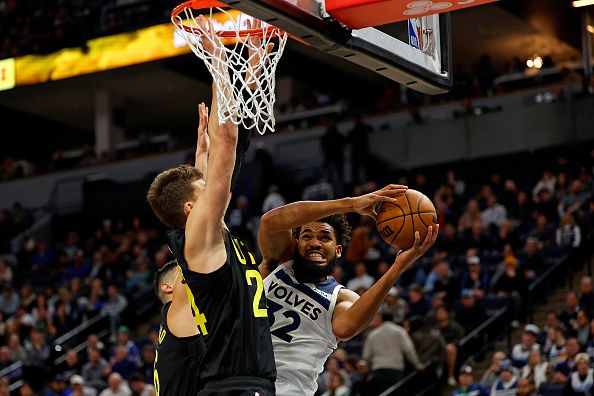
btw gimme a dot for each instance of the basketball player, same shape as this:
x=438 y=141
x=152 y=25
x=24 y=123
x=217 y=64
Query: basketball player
x=180 y=347
x=309 y=311
x=224 y=285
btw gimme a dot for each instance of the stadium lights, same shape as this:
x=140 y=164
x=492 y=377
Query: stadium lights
x=582 y=3
x=590 y=29
x=535 y=62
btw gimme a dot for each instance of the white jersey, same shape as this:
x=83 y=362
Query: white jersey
x=300 y=317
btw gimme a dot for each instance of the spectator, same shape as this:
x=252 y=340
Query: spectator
x=16 y=349
x=544 y=232
x=511 y=284
x=467 y=385
x=123 y=339
x=586 y=301
x=57 y=387
x=574 y=199
x=569 y=365
x=490 y=376
x=477 y=237
x=139 y=387
x=581 y=381
x=446 y=285
x=546 y=182
x=336 y=386
x=5 y=272
x=532 y=262
x=116 y=386
x=556 y=345
x=521 y=352
x=429 y=345
x=569 y=235
x=495 y=214
x=569 y=316
x=78 y=388
x=122 y=363
x=535 y=370
x=361 y=241
x=470 y=215
x=358 y=138
x=9 y=301
x=115 y=305
x=507 y=382
x=526 y=388
x=362 y=279
x=551 y=321
x=96 y=370
x=469 y=314
x=148 y=362
x=452 y=333
x=72 y=366
x=474 y=279
x=582 y=329
x=418 y=305
x=394 y=305
x=273 y=200
x=385 y=349
x=38 y=352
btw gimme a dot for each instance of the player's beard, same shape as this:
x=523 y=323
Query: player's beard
x=307 y=270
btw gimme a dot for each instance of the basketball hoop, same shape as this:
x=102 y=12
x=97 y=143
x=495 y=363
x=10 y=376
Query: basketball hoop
x=241 y=53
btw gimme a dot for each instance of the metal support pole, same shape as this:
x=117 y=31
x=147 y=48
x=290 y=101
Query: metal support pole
x=587 y=47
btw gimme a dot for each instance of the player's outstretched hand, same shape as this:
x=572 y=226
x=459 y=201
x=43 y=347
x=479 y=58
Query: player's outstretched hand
x=365 y=204
x=203 y=144
x=212 y=44
x=405 y=259
x=258 y=55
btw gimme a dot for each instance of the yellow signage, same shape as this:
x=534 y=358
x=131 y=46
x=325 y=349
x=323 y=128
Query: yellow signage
x=104 y=53
x=7 y=74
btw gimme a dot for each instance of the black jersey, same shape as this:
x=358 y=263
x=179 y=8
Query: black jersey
x=176 y=361
x=229 y=307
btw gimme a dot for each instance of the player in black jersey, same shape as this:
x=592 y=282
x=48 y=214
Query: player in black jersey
x=225 y=289
x=180 y=346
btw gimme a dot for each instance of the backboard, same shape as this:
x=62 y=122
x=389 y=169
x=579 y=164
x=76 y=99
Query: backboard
x=384 y=50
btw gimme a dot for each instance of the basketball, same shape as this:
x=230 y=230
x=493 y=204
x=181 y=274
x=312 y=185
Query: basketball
x=398 y=222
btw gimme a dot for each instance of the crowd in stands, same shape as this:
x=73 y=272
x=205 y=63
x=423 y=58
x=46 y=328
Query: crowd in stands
x=496 y=238
x=55 y=286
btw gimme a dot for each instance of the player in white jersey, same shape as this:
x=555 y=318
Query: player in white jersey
x=309 y=311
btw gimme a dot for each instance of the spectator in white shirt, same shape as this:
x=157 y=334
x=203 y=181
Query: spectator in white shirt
x=116 y=386
x=362 y=279
x=273 y=200
x=495 y=212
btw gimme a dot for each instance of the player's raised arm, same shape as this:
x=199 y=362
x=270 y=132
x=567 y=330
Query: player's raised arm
x=353 y=313
x=204 y=226
x=274 y=237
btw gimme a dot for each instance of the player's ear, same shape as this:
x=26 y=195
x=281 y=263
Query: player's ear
x=188 y=206
x=167 y=288
x=338 y=251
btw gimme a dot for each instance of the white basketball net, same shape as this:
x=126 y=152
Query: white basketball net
x=244 y=70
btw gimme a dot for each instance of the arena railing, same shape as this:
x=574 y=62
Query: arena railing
x=473 y=346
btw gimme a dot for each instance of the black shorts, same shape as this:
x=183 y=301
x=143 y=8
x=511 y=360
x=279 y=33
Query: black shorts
x=239 y=386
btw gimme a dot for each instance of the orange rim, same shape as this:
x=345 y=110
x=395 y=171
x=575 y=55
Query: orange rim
x=203 y=4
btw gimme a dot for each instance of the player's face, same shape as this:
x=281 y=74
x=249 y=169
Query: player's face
x=318 y=250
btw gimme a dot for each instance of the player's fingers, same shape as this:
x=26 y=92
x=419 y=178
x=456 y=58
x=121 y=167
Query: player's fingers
x=383 y=198
x=393 y=193
x=394 y=187
x=417 y=242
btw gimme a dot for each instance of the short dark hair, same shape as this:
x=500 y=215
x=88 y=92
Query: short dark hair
x=169 y=191
x=339 y=223
x=160 y=275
